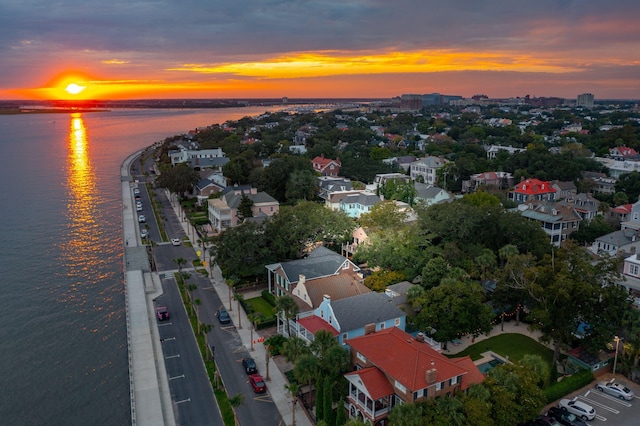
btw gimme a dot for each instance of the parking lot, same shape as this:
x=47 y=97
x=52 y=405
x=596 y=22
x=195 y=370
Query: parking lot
x=609 y=409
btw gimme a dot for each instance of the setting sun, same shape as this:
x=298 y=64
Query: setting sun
x=74 y=88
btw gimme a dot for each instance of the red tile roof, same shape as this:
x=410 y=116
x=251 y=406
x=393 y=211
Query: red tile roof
x=474 y=375
x=374 y=381
x=313 y=323
x=405 y=359
x=625 y=208
x=533 y=187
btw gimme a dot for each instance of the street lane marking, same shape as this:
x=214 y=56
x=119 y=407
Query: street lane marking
x=265 y=398
x=163 y=324
x=167 y=339
x=184 y=400
x=172 y=356
x=599 y=417
x=177 y=377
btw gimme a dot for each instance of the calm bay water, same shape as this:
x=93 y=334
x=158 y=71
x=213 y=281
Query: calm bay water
x=63 y=353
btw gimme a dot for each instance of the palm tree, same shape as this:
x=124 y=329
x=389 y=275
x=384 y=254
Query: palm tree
x=451 y=409
x=235 y=402
x=239 y=298
x=294 y=347
x=293 y=389
x=287 y=306
x=323 y=340
x=305 y=370
x=180 y=261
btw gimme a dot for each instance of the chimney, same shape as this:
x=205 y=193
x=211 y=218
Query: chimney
x=301 y=279
x=420 y=337
x=431 y=376
x=369 y=328
x=326 y=298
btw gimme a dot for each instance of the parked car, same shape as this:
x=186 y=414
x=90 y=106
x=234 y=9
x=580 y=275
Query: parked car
x=616 y=389
x=136 y=191
x=249 y=365
x=142 y=219
x=223 y=316
x=579 y=408
x=138 y=207
x=545 y=421
x=257 y=383
x=162 y=312
x=175 y=241
x=144 y=233
x=566 y=418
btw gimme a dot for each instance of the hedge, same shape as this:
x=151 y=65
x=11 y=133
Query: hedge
x=568 y=385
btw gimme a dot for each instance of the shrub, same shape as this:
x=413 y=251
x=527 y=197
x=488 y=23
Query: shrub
x=568 y=385
x=269 y=297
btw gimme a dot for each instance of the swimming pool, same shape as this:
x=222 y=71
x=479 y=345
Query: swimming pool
x=484 y=367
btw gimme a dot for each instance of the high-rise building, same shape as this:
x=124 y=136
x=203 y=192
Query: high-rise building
x=585 y=100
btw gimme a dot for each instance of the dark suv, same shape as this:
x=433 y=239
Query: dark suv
x=223 y=316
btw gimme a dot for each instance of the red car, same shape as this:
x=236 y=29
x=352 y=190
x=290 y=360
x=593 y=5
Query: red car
x=257 y=383
x=162 y=312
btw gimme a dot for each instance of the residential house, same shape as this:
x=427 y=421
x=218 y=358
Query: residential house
x=618 y=168
x=397 y=294
x=383 y=178
x=403 y=162
x=322 y=272
x=620 y=213
x=617 y=242
x=355 y=205
x=564 y=189
x=223 y=211
x=392 y=368
x=634 y=218
x=532 y=189
x=335 y=198
x=497 y=180
x=205 y=188
x=622 y=153
x=359 y=236
x=431 y=194
x=330 y=184
x=631 y=277
x=424 y=170
x=199 y=158
x=556 y=220
x=586 y=206
x=601 y=182
x=347 y=318
x=326 y=166
x=493 y=150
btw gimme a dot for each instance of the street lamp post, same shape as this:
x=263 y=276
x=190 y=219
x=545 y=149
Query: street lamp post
x=615 y=359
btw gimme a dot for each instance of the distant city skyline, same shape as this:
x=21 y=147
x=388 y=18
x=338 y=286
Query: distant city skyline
x=320 y=49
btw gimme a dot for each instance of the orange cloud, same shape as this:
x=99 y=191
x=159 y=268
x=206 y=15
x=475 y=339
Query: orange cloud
x=337 y=63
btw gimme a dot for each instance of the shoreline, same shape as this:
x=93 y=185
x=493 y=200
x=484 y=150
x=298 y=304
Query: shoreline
x=18 y=111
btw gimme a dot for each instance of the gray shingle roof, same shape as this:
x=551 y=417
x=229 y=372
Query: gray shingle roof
x=357 y=311
x=320 y=263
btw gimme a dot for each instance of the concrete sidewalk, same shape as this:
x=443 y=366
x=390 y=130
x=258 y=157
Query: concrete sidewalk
x=277 y=381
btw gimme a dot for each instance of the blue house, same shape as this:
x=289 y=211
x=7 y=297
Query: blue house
x=351 y=317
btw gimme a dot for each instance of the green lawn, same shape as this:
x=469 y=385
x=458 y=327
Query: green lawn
x=262 y=306
x=513 y=345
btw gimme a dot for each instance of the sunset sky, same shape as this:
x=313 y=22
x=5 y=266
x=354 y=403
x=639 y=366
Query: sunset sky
x=128 y=49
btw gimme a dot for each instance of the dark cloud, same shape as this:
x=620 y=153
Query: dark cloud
x=161 y=34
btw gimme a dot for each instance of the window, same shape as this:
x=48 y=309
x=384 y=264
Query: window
x=439 y=386
x=361 y=357
x=381 y=326
x=453 y=381
x=400 y=387
x=634 y=270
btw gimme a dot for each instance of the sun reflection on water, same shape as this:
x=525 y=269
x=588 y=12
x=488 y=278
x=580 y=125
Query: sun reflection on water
x=80 y=248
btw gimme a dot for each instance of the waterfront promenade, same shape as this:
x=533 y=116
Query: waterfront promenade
x=151 y=402
x=150 y=398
